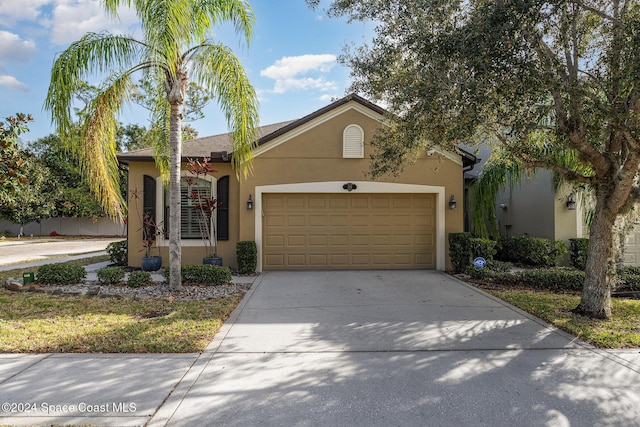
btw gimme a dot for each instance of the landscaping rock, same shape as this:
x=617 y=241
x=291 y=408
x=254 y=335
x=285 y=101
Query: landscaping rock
x=14 y=286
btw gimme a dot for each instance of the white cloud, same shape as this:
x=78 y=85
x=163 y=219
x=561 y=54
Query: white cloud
x=290 y=66
x=72 y=19
x=291 y=73
x=13 y=83
x=283 y=85
x=12 y=11
x=13 y=48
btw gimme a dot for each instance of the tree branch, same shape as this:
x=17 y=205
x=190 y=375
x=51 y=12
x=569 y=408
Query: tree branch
x=597 y=12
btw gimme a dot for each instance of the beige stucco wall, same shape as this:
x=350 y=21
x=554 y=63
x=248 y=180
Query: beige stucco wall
x=312 y=155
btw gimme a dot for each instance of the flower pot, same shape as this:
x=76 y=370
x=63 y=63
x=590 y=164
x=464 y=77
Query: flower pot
x=212 y=260
x=151 y=263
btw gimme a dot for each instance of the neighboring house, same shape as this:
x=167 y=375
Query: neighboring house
x=313 y=206
x=536 y=208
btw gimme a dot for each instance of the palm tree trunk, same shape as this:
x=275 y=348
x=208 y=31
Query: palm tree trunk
x=596 y=292
x=175 y=208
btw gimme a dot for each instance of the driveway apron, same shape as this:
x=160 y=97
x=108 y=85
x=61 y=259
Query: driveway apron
x=406 y=348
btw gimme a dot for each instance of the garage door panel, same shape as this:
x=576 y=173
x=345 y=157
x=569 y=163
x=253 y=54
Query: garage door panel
x=296 y=220
x=339 y=260
x=380 y=240
x=380 y=202
x=275 y=261
x=318 y=240
x=318 y=220
x=297 y=240
x=274 y=221
x=360 y=203
x=339 y=240
x=325 y=231
x=338 y=202
x=360 y=240
x=400 y=202
x=275 y=241
x=294 y=202
x=403 y=240
x=339 y=220
x=318 y=260
x=317 y=202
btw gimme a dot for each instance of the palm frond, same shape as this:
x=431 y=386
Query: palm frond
x=94 y=53
x=97 y=145
x=499 y=171
x=208 y=13
x=217 y=69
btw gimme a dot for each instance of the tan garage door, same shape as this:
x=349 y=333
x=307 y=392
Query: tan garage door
x=348 y=231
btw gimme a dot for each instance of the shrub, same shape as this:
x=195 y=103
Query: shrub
x=479 y=273
x=118 y=252
x=61 y=274
x=579 y=247
x=499 y=266
x=630 y=278
x=247 y=255
x=110 y=275
x=459 y=251
x=555 y=279
x=138 y=278
x=534 y=251
x=203 y=274
x=484 y=248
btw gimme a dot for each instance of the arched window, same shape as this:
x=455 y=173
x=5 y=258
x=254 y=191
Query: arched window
x=353 y=142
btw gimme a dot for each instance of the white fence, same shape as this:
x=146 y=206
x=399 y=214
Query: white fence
x=68 y=227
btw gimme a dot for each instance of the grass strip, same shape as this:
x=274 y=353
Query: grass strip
x=41 y=323
x=622 y=331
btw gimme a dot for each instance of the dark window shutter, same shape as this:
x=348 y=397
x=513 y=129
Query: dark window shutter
x=223 y=208
x=149 y=201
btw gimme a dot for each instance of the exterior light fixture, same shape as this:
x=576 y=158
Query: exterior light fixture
x=571 y=203
x=249 y=203
x=452 y=202
x=349 y=186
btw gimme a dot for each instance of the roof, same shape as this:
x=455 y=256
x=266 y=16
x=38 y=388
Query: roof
x=219 y=147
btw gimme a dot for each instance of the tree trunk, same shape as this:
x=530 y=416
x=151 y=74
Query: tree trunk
x=175 y=217
x=596 y=292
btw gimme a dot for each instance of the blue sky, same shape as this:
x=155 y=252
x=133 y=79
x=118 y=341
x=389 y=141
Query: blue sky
x=291 y=60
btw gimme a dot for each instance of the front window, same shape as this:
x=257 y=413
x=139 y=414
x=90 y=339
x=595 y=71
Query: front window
x=191 y=224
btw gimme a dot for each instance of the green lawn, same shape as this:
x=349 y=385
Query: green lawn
x=40 y=323
x=623 y=331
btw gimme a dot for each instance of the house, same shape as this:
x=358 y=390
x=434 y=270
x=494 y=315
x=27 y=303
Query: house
x=308 y=203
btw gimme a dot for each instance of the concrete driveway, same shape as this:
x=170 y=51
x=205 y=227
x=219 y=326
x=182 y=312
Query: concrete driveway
x=410 y=348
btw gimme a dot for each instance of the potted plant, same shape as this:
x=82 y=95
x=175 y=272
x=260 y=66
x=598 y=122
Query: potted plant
x=150 y=231
x=205 y=205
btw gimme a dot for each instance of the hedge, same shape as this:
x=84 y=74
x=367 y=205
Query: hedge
x=61 y=274
x=535 y=251
x=553 y=279
x=203 y=274
x=247 y=256
x=459 y=251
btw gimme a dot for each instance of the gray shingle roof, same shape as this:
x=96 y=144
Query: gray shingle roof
x=201 y=147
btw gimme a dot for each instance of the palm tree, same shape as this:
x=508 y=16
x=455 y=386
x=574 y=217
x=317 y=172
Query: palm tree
x=174 y=48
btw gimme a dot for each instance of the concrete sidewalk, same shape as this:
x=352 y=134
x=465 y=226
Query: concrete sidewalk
x=351 y=348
